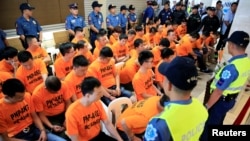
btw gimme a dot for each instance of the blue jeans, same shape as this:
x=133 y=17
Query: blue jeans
x=124 y=93
x=216 y=115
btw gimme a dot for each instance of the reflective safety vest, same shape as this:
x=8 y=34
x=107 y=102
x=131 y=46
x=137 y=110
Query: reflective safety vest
x=243 y=67
x=185 y=121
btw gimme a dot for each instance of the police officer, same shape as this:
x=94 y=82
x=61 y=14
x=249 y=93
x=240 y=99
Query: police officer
x=3 y=41
x=166 y=13
x=132 y=18
x=180 y=78
x=27 y=25
x=211 y=22
x=74 y=20
x=228 y=81
x=178 y=13
x=95 y=21
x=123 y=18
x=149 y=12
x=194 y=20
x=112 y=20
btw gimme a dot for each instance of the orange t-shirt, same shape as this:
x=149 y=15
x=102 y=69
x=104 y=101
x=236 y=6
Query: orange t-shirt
x=185 y=46
x=157 y=55
x=74 y=83
x=133 y=54
x=128 y=70
x=164 y=32
x=98 y=49
x=75 y=40
x=39 y=53
x=62 y=68
x=137 y=116
x=157 y=38
x=181 y=31
x=113 y=39
x=119 y=51
x=15 y=117
x=150 y=39
x=209 y=41
x=33 y=77
x=144 y=39
x=50 y=104
x=4 y=66
x=84 y=121
x=103 y=72
x=88 y=55
x=158 y=76
x=198 y=43
x=172 y=46
x=3 y=77
x=143 y=83
x=130 y=44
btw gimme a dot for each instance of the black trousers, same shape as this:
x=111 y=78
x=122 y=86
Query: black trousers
x=102 y=137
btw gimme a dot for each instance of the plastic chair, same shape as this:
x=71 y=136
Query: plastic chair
x=118 y=66
x=117 y=106
x=109 y=117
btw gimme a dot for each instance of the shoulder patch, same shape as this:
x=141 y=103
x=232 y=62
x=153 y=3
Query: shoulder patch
x=226 y=74
x=150 y=133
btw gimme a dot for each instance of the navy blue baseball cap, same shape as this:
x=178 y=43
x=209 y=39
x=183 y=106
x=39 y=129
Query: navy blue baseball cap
x=25 y=6
x=181 y=72
x=73 y=5
x=239 y=38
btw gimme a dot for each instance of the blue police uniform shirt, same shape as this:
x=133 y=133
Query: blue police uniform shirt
x=27 y=27
x=112 y=20
x=132 y=17
x=123 y=20
x=149 y=13
x=165 y=15
x=95 y=19
x=157 y=129
x=2 y=38
x=72 y=22
x=228 y=74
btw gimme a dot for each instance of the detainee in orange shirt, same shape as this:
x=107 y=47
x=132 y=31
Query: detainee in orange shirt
x=103 y=68
x=84 y=115
x=167 y=55
x=150 y=36
x=52 y=99
x=30 y=72
x=64 y=65
x=159 y=35
x=120 y=49
x=131 y=37
x=18 y=119
x=186 y=45
x=4 y=77
x=129 y=69
x=82 y=49
x=75 y=77
x=10 y=62
x=168 y=26
x=164 y=43
x=101 y=41
x=182 y=29
x=79 y=35
x=132 y=123
x=143 y=79
x=114 y=37
x=140 y=35
x=171 y=38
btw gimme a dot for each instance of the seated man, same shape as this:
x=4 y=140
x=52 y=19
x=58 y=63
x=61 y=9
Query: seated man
x=131 y=36
x=101 y=41
x=84 y=115
x=132 y=123
x=129 y=69
x=18 y=119
x=4 y=76
x=120 y=49
x=51 y=101
x=103 y=68
x=30 y=72
x=63 y=65
x=10 y=62
x=79 y=35
x=164 y=43
x=82 y=49
x=114 y=37
x=75 y=77
x=143 y=79
x=38 y=52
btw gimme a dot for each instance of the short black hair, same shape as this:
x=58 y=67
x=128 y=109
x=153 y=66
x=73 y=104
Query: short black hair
x=169 y=31
x=106 y=52
x=9 y=90
x=138 y=28
x=131 y=32
x=123 y=36
x=102 y=31
x=65 y=47
x=53 y=83
x=152 y=30
x=99 y=35
x=156 y=19
x=206 y=33
x=89 y=84
x=117 y=29
x=234 y=3
x=78 y=28
x=219 y=1
x=138 y=42
x=167 y=23
x=24 y=56
x=144 y=56
x=29 y=38
x=166 y=53
x=9 y=52
x=80 y=44
x=164 y=42
x=80 y=61
x=195 y=35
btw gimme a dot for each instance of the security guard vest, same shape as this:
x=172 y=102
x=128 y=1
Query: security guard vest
x=243 y=71
x=185 y=122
